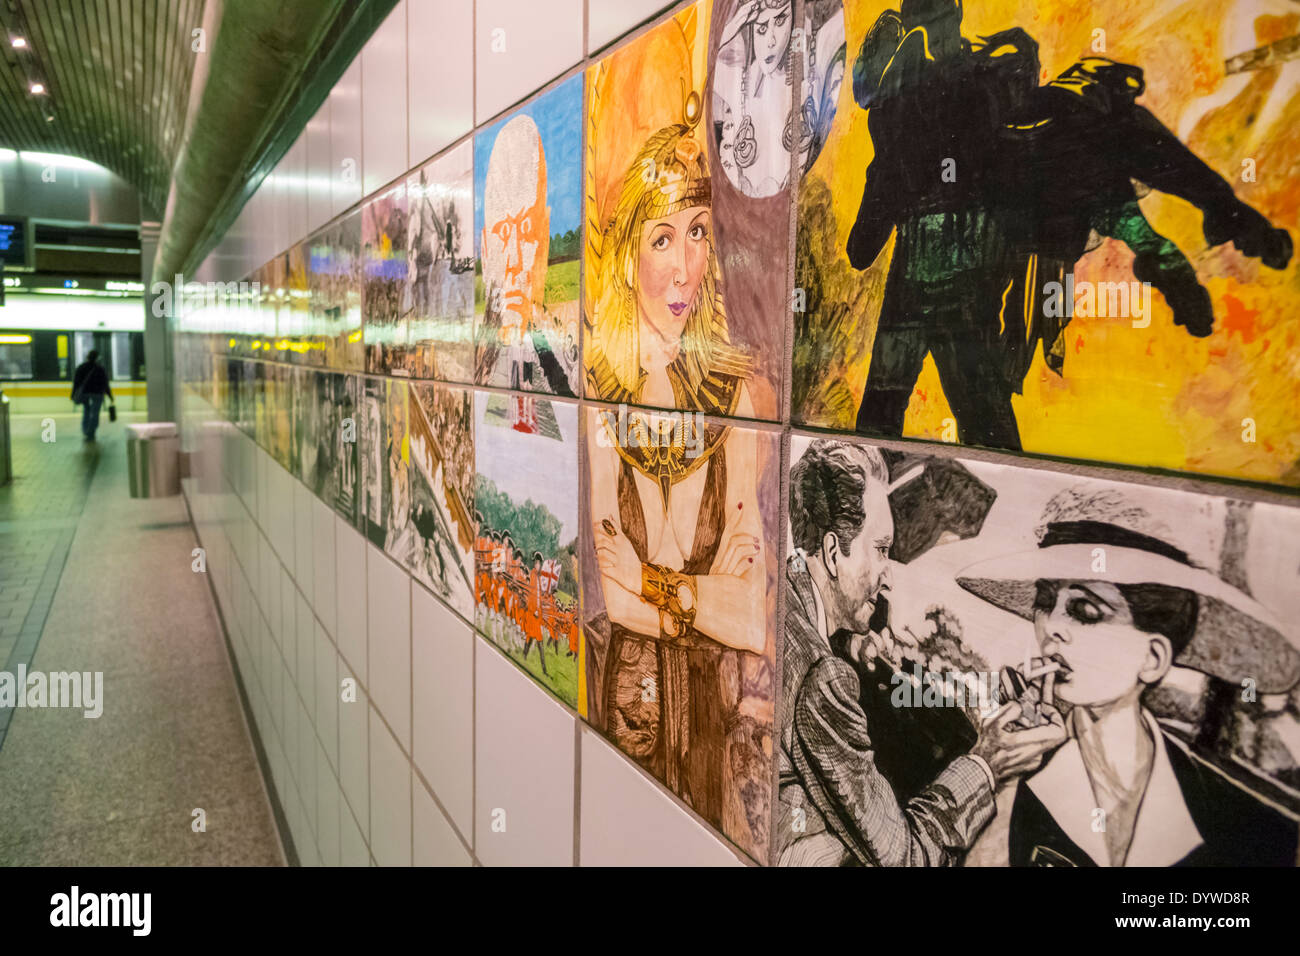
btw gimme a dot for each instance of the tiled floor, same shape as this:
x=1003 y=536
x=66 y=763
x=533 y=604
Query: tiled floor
x=93 y=581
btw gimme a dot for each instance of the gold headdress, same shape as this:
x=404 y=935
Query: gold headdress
x=646 y=161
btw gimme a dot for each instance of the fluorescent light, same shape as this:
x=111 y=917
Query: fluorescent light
x=37 y=89
x=15 y=339
x=58 y=159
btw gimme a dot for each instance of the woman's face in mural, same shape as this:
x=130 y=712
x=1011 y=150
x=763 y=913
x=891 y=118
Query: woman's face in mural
x=672 y=256
x=772 y=37
x=1087 y=627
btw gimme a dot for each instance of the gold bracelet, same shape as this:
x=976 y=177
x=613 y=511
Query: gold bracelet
x=673 y=593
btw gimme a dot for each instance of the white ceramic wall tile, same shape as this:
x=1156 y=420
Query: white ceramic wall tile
x=354 y=850
x=327 y=696
x=302 y=531
x=282 y=518
x=268 y=584
x=308 y=747
x=305 y=652
x=260 y=497
x=316 y=139
x=626 y=820
x=308 y=854
x=608 y=20
x=350 y=594
x=520 y=46
x=390 y=798
x=289 y=718
x=524 y=768
x=327 y=810
x=295 y=173
x=388 y=601
x=442 y=673
x=289 y=624
x=271 y=671
x=323 y=560
x=383 y=102
x=435 y=842
x=440 y=63
x=354 y=752
x=345 y=140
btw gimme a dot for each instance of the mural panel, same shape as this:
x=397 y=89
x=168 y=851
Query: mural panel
x=1051 y=233
x=685 y=269
x=525 y=554
x=527 y=235
x=439 y=293
x=990 y=665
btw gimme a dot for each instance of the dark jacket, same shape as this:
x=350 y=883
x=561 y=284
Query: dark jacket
x=1235 y=828
x=835 y=804
x=90 y=379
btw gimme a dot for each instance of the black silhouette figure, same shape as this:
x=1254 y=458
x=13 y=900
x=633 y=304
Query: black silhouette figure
x=996 y=186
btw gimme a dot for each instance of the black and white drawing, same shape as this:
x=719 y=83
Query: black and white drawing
x=994 y=665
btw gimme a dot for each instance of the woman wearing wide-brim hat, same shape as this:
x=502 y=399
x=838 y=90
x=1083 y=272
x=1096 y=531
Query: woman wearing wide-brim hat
x=1115 y=604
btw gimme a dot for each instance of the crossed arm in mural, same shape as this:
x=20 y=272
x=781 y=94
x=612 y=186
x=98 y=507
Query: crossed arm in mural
x=732 y=596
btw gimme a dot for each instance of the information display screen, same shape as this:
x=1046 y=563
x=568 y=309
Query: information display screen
x=13 y=242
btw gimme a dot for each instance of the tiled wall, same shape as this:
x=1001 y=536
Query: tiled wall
x=444 y=731
x=395 y=733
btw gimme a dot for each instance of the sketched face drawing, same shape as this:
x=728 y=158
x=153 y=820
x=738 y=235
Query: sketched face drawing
x=772 y=37
x=1089 y=626
x=516 y=230
x=672 y=256
x=862 y=566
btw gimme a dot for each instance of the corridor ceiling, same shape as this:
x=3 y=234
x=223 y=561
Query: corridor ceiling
x=117 y=79
x=193 y=121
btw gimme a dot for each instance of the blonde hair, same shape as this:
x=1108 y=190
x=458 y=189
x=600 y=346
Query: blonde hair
x=669 y=174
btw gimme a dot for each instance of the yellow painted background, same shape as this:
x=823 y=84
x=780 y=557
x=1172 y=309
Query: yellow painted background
x=1155 y=396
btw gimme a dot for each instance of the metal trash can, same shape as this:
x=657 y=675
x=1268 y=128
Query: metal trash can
x=6 y=453
x=152 y=453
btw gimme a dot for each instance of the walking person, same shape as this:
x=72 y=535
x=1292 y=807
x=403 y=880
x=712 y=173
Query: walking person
x=89 y=386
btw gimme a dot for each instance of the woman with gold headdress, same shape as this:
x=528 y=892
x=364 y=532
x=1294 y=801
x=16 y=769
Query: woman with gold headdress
x=676 y=524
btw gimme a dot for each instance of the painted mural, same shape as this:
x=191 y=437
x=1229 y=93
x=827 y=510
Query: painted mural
x=527 y=235
x=440 y=272
x=384 y=281
x=526 y=549
x=334 y=289
x=1035 y=228
x=681 y=518
x=685 y=271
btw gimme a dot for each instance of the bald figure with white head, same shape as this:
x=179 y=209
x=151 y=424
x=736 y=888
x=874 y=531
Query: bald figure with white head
x=516 y=238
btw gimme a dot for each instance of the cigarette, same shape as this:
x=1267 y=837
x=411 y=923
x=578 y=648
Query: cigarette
x=1049 y=668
